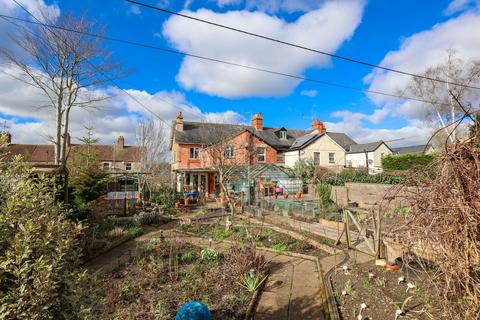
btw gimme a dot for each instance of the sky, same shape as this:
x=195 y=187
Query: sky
x=408 y=35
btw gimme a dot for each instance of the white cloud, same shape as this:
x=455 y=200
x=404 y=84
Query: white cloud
x=414 y=133
x=309 y=93
x=331 y=25
x=36 y=7
x=420 y=51
x=460 y=5
x=19 y=103
x=289 y=6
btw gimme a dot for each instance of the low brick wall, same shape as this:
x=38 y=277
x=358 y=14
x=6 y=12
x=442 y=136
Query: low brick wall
x=368 y=195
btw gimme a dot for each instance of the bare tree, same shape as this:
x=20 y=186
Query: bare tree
x=152 y=137
x=230 y=157
x=441 y=109
x=66 y=66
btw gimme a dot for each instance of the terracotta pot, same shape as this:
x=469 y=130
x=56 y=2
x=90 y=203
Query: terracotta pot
x=177 y=204
x=186 y=201
x=285 y=196
x=393 y=267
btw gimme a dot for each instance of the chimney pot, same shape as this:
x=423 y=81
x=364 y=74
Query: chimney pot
x=319 y=126
x=257 y=121
x=121 y=142
x=179 y=122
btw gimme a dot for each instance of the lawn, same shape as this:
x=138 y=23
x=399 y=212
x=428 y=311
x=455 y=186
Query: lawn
x=162 y=275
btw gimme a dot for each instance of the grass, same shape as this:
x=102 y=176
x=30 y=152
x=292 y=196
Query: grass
x=131 y=233
x=280 y=247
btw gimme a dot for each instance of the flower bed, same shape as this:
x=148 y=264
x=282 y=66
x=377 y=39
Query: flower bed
x=260 y=236
x=375 y=293
x=161 y=276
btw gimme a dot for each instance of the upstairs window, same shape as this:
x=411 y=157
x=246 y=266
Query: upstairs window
x=128 y=166
x=230 y=152
x=194 y=153
x=106 y=166
x=260 y=154
x=283 y=135
x=316 y=158
x=331 y=157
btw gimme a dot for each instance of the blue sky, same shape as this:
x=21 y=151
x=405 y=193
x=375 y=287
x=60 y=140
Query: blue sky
x=393 y=33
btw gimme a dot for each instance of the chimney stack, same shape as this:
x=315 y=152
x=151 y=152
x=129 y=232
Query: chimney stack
x=179 y=122
x=121 y=142
x=319 y=126
x=257 y=121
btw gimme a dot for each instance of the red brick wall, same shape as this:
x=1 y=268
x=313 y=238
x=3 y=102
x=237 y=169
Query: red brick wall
x=239 y=142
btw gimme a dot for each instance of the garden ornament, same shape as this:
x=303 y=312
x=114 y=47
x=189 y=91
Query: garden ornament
x=193 y=310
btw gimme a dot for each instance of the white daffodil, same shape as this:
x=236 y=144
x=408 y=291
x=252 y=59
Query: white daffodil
x=345 y=268
x=363 y=306
x=371 y=276
x=401 y=279
x=410 y=286
x=344 y=293
x=359 y=317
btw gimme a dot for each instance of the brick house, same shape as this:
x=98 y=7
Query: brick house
x=193 y=168
x=118 y=158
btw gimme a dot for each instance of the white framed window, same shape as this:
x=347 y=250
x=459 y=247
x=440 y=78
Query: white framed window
x=331 y=157
x=283 y=135
x=128 y=166
x=261 y=154
x=194 y=153
x=316 y=158
x=230 y=152
x=106 y=166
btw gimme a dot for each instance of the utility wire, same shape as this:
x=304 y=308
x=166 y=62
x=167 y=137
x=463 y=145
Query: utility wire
x=278 y=73
x=336 y=56
x=98 y=69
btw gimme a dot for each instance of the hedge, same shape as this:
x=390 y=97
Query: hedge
x=362 y=177
x=406 y=161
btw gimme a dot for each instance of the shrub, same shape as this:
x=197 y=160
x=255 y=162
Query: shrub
x=187 y=257
x=406 y=161
x=323 y=192
x=222 y=234
x=148 y=218
x=252 y=281
x=208 y=255
x=40 y=277
x=362 y=177
x=280 y=247
x=116 y=232
x=243 y=259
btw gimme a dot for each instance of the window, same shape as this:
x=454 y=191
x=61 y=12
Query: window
x=370 y=162
x=194 y=153
x=260 y=154
x=230 y=152
x=316 y=158
x=283 y=135
x=128 y=166
x=331 y=157
x=106 y=166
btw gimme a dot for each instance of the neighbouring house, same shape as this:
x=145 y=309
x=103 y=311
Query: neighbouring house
x=417 y=149
x=120 y=160
x=194 y=169
x=367 y=155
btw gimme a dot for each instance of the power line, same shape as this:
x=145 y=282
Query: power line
x=278 y=73
x=336 y=56
x=98 y=69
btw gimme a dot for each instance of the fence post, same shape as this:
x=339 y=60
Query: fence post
x=347 y=228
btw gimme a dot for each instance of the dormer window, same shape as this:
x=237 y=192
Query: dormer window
x=282 y=134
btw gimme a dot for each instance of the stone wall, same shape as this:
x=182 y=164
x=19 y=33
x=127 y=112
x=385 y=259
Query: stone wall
x=369 y=195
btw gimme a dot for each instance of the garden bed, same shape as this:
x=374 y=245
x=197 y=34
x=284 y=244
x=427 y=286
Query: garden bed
x=259 y=235
x=383 y=294
x=163 y=275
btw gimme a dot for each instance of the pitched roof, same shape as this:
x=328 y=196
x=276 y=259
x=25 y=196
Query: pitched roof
x=365 y=147
x=45 y=153
x=211 y=133
x=411 y=149
x=342 y=139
